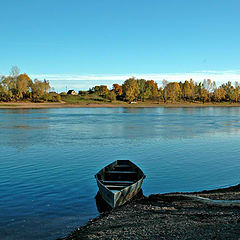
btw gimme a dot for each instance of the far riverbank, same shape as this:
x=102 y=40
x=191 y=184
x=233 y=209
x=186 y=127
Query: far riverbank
x=30 y=105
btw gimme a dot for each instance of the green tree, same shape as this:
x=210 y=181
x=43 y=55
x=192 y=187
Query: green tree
x=130 y=89
x=151 y=89
x=101 y=90
x=111 y=96
x=141 y=86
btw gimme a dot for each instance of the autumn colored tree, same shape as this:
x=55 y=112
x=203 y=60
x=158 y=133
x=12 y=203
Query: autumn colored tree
x=101 y=90
x=197 y=90
x=219 y=94
x=117 y=89
x=151 y=89
x=39 y=90
x=8 y=87
x=160 y=95
x=187 y=90
x=130 y=89
x=23 y=85
x=18 y=86
x=235 y=94
x=172 y=92
x=229 y=89
x=204 y=95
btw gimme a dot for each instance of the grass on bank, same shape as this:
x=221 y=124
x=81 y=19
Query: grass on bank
x=87 y=99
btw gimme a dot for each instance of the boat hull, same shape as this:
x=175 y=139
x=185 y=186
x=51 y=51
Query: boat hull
x=127 y=193
x=107 y=195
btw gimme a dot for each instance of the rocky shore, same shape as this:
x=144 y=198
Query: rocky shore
x=169 y=216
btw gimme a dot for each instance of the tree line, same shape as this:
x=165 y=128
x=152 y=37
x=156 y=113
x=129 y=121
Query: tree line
x=20 y=87
x=147 y=90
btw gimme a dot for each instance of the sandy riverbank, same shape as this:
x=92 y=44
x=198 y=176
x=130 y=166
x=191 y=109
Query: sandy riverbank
x=29 y=105
x=168 y=217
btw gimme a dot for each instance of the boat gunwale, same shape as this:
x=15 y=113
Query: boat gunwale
x=116 y=161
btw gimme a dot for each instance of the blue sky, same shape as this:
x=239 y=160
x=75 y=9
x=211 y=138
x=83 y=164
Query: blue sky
x=113 y=39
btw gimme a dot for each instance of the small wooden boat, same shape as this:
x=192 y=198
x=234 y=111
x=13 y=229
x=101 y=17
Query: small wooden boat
x=119 y=182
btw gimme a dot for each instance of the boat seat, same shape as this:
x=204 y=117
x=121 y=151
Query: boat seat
x=123 y=166
x=120 y=172
x=118 y=182
x=115 y=187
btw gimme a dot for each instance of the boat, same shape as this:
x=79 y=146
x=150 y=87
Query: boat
x=119 y=181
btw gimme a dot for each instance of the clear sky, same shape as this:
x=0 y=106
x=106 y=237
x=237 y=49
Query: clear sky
x=84 y=39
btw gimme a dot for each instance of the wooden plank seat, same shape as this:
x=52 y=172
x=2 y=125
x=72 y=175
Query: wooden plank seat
x=118 y=182
x=121 y=172
x=122 y=166
x=115 y=187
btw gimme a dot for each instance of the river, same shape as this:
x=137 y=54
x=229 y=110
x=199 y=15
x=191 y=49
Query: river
x=48 y=158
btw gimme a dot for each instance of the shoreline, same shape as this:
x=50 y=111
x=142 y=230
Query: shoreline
x=30 y=105
x=168 y=216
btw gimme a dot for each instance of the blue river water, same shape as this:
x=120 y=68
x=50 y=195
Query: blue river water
x=48 y=158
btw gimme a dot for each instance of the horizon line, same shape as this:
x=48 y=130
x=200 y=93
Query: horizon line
x=218 y=76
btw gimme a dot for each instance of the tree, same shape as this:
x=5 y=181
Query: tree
x=160 y=94
x=188 y=90
x=141 y=86
x=204 y=94
x=130 y=89
x=23 y=85
x=117 y=89
x=8 y=87
x=229 y=90
x=172 y=91
x=20 y=86
x=151 y=89
x=111 y=96
x=101 y=90
x=15 y=71
x=235 y=94
x=219 y=94
x=209 y=85
x=39 y=90
x=164 y=83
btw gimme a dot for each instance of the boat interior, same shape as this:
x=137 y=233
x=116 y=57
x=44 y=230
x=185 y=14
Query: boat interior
x=120 y=174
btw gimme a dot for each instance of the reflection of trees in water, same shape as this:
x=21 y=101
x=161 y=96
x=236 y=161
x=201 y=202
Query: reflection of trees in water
x=24 y=111
x=23 y=127
x=180 y=123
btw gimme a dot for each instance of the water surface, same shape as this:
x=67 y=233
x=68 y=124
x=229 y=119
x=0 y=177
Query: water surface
x=48 y=158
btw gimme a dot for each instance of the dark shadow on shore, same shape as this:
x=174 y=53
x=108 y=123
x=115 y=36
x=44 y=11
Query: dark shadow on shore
x=103 y=206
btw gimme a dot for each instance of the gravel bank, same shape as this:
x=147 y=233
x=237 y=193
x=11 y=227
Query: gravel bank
x=163 y=216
